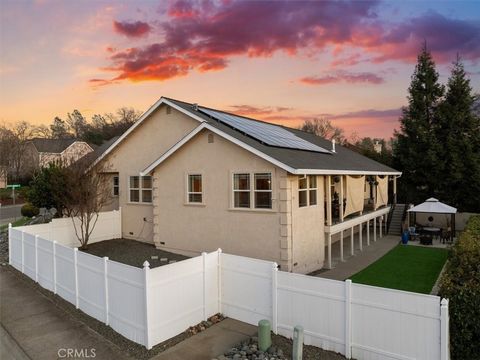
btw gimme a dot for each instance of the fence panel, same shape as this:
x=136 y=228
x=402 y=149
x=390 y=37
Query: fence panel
x=246 y=288
x=175 y=298
x=126 y=301
x=315 y=303
x=392 y=324
x=65 y=272
x=91 y=285
x=29 y=256
x=46 y=275
x=211 y=283
x=16 y=248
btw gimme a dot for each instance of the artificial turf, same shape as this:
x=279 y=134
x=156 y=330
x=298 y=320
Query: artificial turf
x=409 y=268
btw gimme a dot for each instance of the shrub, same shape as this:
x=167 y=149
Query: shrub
x=29 y=210
x=5 y=194
x=461 y=285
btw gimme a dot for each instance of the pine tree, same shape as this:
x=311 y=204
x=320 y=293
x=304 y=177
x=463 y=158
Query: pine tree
x=416 y=147
x=458 y=130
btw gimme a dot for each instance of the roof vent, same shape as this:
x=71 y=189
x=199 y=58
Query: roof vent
x=333 y=145
x=195 y=106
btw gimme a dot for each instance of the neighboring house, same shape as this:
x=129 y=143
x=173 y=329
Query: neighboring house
x=3 y=177
x=41 y=152
x=192 y=179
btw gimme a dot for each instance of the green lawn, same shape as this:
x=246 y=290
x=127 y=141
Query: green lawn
x=19 y=222
x=410 y=268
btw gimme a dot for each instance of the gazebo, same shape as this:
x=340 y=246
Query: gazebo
x=433 y=206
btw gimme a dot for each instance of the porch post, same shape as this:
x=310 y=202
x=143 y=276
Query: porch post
x=341 y=198
x=341 y=245
x=394 y=190
x=329 y=200
x=368 y=232
x=380 y=227
x=386 y=225
x=375 y=195
x=352 y=251
x=374 y=229
x=360 y=228
x=329 y=239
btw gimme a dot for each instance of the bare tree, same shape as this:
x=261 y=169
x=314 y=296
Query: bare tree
x=87 y=192
x=324 y=128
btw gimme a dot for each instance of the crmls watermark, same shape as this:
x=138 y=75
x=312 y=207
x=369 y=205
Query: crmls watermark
x=76 y=353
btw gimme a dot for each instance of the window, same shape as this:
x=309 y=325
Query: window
x=194 y=192
x=252 y=189
x=241 y=190
x=307 y=191
x=116 y=187
x=263 y=191
x=140 y=189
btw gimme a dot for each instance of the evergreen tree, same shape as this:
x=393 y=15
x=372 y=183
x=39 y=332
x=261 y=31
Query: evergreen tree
x=458 y=130
x=416 y=147
x=59 y=129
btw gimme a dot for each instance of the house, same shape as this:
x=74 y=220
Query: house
x=41 y=152
x=192 y=179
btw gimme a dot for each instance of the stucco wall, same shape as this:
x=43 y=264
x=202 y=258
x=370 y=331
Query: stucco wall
x=308 y=230
x=191 y=229
x=159 y=132
x=75 y=151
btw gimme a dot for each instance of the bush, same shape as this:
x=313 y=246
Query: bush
x=461 y=285
x=5 y=194
x=29 y=210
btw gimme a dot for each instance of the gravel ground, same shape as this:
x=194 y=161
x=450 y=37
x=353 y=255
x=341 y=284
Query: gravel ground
x=281 y=349
x=132 y=252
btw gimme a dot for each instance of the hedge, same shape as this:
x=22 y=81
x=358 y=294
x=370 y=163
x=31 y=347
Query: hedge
x=29 y=210
x=461 y=285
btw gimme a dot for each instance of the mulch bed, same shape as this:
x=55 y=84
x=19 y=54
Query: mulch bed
x=133 y=253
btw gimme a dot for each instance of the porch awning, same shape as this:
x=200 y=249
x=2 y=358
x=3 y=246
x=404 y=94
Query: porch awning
x=434 y=206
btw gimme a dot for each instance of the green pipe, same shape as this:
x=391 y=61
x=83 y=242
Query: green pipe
x=264 y=335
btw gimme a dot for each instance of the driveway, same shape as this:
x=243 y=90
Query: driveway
x=33 y=327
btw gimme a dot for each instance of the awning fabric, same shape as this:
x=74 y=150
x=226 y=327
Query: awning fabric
x=382 y=191
x=434 y=206
x=355 y=190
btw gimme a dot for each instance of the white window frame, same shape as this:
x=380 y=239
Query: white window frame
x=140 y=190
x=308 y=189
x=116 y=186
x=251 y=190
x=255 y=190
x=188 y=192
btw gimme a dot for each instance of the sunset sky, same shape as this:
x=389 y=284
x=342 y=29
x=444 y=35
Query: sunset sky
x=284 y=62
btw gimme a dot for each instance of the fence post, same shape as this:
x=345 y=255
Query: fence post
x=204 y=264
x=146 y=272
x=23 y=253
x=105 y=277
x=219 y=278
x=274 y=297
x=348 y=318
x=10 y=243
x=54 y=255
x=75 y=265
x=444 y=331
x=36 y=258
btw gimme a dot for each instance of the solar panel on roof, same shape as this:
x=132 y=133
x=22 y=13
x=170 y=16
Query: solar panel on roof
x=267 y=133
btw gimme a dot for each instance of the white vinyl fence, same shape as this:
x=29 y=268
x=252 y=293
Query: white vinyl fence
x=108 y=226
x=149 y=306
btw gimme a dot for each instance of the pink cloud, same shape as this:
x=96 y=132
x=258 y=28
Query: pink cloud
x=343 y=76
x=131 y=29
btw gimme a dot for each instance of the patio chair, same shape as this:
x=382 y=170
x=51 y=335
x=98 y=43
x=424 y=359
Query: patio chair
x=412 y=232
x=426 y=239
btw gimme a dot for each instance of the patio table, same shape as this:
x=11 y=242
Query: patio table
x=431 y=229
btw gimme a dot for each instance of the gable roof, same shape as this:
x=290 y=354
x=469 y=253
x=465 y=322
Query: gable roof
x=52 y=145
x=343 y=161
x=98 y=151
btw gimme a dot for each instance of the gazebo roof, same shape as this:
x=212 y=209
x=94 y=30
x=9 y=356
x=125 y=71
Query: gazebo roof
x=432 y=205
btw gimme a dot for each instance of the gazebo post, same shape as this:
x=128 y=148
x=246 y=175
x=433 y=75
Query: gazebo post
x=453 y=227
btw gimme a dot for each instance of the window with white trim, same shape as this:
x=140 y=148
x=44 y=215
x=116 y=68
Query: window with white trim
x=195 y=189
x=263 y=190
x=241 y=190
x=252 y=190
x=307 y=191
x=116 y=186
x=140 y=189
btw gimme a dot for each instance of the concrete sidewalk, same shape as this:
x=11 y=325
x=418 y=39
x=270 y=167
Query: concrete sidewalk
x=33 y=327
x=210 y=343
x=361 y=259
